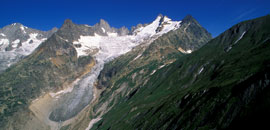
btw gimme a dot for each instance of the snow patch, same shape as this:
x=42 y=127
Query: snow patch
x=169 y=26
x=103 y=30
x=240 y=37
x=166 y=19
x=63 y=39
x=92 y=122
x=228 y=49
x=28 y=47
x=122 y=44
x=138 y=56
x=153 y=72
x=108 y=46
x=184 y=51
x=201 y=70
x=87 y=25
x=150 y=30
x=15 y=43
x=112 y=34
x=4 y=42
x=161 y=66
x=22 y=28
x=2 y=34
x=189 y=51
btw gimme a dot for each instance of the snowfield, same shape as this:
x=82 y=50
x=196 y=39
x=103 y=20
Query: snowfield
x=108 y=48
x=8 y=58
x=114 y=45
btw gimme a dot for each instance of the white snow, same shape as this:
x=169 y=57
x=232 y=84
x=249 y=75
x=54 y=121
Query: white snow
x=161 y=66
x=230 y=47
x=27 y=47
x=166 y=19
x=169 y=25
x=103 y=30
x=22 y=28
x=150 y=30
x=4 y=42
x=92 y=122
x=201 y=70
x=2 y=34
x=114 y=45
x=109 y=47
x=87 y=25
x=153 y=72
x=138 y=56
x=12 y=56
x=240 y=37
x=15 y=43
x=189 y=51
x=112 y=34
x=184 y=51
x=63 y=39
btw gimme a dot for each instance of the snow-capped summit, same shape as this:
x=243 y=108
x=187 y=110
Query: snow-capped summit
x=115 y=42
x=161 y=25
x=16 y=36
x=17 y=41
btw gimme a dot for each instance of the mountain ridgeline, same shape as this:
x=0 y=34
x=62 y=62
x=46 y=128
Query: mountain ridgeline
x=50 y=67
x=162 y=75
x=18 y=41
x=223 y=85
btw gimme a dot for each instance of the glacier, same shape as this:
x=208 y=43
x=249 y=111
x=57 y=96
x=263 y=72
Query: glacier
x=72 y=101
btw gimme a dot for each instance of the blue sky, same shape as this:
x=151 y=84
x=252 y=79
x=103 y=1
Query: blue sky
x=215 y=15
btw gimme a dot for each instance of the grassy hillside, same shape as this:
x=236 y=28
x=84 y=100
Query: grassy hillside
x=212 y=88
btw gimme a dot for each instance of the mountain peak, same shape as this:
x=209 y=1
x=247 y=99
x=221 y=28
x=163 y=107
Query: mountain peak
x=54 y=29
x=68 y=21
x=103 y=23
x=67 y=24
x=160 y=15
x=16 y=24
x=188 y=19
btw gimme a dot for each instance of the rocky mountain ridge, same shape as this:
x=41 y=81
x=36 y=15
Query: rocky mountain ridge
x=18 y=41
x=64 y=68
x=212 y=88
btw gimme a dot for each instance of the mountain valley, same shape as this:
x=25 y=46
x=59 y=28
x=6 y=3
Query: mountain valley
x=162 y=75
